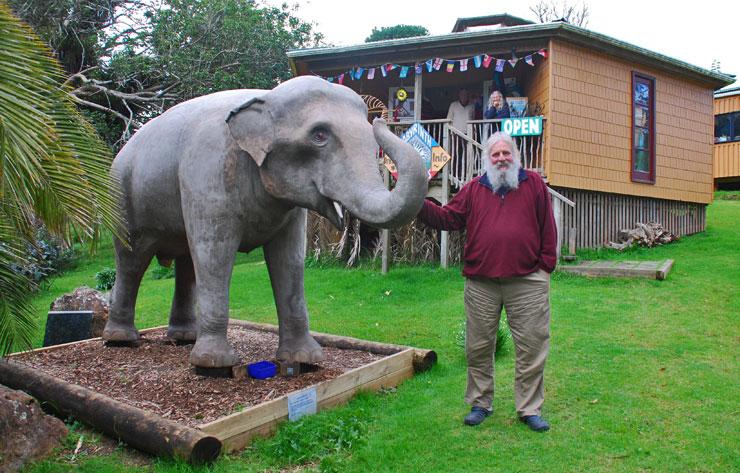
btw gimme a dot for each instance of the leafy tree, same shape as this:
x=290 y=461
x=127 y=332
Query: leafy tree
x=52 y=168
x=396 y=32
x=131 y=59
x=550 y=10
x=207 y=46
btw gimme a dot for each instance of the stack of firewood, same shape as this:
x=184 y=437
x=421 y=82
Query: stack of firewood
x=644 y=234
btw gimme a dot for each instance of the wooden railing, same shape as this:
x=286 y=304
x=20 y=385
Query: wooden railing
x=466 y=146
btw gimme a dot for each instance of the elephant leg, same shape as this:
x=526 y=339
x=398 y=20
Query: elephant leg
x=213 y=245
x=285 y=255
x=183 y=323
x=130 y=267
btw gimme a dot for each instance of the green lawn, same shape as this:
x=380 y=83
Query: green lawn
x=642 y=376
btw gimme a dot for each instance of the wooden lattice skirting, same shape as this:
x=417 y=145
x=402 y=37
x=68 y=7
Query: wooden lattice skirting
x=598 y=216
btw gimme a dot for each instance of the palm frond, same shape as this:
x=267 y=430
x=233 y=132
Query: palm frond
x=52 y=167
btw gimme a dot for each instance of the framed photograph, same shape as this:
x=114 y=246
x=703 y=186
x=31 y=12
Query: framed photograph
x=517 y=106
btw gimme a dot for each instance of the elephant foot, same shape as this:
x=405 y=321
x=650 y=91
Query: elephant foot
x=182 y=334
x=213 y=352
x=120 y=334
x=300 y=350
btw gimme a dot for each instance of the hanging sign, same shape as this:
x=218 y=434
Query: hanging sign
x=523 y=126
x=433 y=155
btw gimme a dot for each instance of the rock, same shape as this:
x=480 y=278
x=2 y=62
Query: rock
x=84 y=298
x=26 y=433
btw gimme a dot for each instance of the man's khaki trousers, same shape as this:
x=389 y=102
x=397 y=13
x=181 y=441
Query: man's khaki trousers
x=527 y=304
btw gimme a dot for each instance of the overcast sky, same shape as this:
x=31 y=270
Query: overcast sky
x=695 y=32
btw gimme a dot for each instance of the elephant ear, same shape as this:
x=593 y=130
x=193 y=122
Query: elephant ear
x=251 y=126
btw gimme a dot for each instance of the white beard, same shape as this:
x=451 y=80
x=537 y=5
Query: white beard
x=500 y=178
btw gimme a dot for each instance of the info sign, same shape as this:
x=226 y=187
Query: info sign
x=433 y=155
x=301 y=403
x=523 y=126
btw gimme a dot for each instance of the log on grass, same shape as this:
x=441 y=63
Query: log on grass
x=423 y=359
x=140 y=429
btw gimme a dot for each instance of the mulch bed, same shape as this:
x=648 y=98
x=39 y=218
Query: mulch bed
x=158 y=378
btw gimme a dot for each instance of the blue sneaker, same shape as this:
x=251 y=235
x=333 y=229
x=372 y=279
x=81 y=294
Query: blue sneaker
x=476 y=416
x=536 y=423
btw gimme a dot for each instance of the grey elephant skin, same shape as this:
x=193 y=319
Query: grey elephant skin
x=236 y=170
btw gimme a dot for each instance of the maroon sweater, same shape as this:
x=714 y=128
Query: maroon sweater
x=508 y=233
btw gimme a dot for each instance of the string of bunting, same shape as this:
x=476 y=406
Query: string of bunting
x=432 y=65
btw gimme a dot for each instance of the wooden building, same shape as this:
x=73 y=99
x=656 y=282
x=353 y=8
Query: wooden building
x=626 y=135
x=727 y=138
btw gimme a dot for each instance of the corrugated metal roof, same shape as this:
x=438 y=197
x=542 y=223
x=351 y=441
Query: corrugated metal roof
x=424 y=46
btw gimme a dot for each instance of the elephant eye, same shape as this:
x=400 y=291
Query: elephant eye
x=319 y=136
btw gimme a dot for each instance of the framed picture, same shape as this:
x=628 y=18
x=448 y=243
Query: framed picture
x=517 y=106
x=401 y=104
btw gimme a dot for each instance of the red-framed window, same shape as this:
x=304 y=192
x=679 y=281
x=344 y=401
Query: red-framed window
x=643 y=128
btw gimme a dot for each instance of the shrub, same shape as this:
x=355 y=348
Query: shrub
x=105 y=279
x=46 y=256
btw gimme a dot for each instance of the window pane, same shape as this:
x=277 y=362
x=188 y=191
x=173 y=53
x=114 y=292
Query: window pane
x=642 y=138
x=736 y=126
x=722 y=128
x=641 y=116
x=642 y=93
x=642 y=160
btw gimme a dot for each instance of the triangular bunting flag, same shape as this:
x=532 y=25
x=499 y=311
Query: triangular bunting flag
x=330 y=79
x=384 y=70
x=528 y=60
x=359 y=72
x=477 y=61
x=500 y=63
x=464 y=64
x=371 y=73
x=417 y=69
x=429 y=64
x=404 y=72
x=487 y=60
x=341 y=78
x=513 y=61
x=542 y=52
x=437 y=63
x=450 y=66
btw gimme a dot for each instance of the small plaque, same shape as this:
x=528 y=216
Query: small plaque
x=68 y=326
x=301 y=403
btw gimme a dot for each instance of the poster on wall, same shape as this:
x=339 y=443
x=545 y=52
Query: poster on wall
x=517 y=106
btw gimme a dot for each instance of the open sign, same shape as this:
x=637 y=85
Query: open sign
x=524 y=126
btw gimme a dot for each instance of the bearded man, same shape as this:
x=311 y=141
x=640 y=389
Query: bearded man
x=510 y=251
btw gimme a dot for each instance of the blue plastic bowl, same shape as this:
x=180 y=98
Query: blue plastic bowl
x=261 y=370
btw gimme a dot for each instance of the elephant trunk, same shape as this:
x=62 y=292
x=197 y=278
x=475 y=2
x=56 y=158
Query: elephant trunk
x=388 y=209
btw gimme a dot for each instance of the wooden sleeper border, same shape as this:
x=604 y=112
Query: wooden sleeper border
x=159 y=436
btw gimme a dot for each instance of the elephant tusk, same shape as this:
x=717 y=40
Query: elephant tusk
x=338 y=208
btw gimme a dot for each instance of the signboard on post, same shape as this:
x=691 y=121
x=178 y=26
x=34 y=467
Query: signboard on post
x=523 y=126
x=433 y=155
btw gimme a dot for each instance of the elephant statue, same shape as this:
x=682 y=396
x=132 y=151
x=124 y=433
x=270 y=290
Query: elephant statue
x=235 y=170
